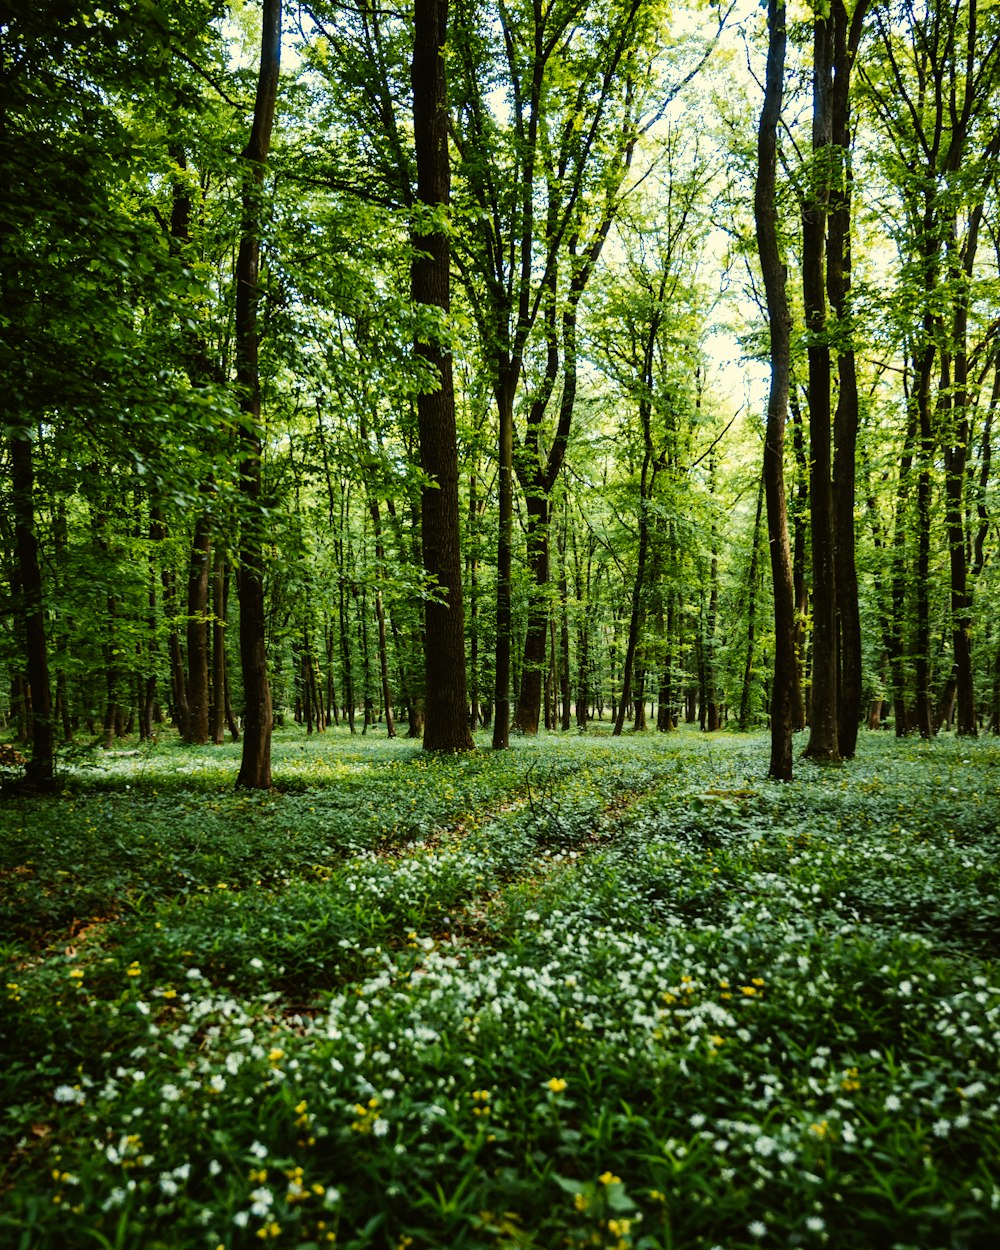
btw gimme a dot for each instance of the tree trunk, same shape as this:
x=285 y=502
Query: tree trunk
x=800 y=586
x=178 y=679
x=956 y=459
x=533 y=665
x=846 y=37
x=922 y=706
x=779 y=319
x=646 y=483
x=329 y=642
x=220 y=595
x=197 y=727
x=383 y=651
x=582 y=580
x=564 y=678
x=823 y=743
x=712 y=719
x=744 y=721
x=255 y=767
x=361 y=615
x=41 y=766
x=446 y=709
x=505 y=539
x=472 y=572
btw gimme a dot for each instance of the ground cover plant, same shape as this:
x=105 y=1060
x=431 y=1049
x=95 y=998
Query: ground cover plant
x=581 y=993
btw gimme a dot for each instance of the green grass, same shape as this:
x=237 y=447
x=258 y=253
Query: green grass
x=620 y=994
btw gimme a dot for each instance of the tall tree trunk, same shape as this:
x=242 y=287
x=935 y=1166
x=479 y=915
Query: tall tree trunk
x=647 y=481
x=744 y=721
x=846 y=37
x=220 y=595
x=922 y=705
x=823 y=743
x=564 y=678
x=446 y=710
x=583 y=657
x=346 y=669
x=197 y=728
x=255 y=766
x=800 y=587
x=779 y=319
x=383 y=651
x=146 y=684
x=178 y=678
x=533 y=663
x=895 y=638
x=329 y=642
x=383 y=664
x=666 y=718
x=712 y=718
x=472 y=572
x=41 y=766
x=505 y=541
x=361 y=615
x=962 y=262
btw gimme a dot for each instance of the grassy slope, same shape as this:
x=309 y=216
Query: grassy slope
x=586 y=993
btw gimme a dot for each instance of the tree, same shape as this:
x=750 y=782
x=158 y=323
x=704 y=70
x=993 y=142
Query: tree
x=779 y=320
x=847 y=29
x=542 y=180
x=255 y=766
x=934 y=87
x=446 y=726
x=835 y=703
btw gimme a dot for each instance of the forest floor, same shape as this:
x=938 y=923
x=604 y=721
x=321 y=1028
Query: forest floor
x=620 y=994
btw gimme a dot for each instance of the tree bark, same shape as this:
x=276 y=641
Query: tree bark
x=505 y=542
x=962 y=262
x=220 y=596
x=922 y=703
x=646 y=484
x=800 y=586
x=846 y=37
x=779 y=319
x=472 y=571
x=383 y=650
x=533 y=663
x=40 y=770
x=255 y=767
x=178 y=678
x=197 y=727
x=564 y=678
x=446 y=711
x=823 y=743
x=712 y=717
x=744 y=721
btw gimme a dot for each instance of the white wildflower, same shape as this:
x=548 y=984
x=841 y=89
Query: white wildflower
x=69 y=1093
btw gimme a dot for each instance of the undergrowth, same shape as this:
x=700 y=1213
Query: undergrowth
x=621 y=994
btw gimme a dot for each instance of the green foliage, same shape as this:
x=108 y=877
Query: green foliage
x=576 y=993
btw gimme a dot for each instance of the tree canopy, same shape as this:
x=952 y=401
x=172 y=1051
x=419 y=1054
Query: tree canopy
x=426 y=354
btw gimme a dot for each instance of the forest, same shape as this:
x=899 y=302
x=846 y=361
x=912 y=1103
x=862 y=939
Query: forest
x=427 y=395
x=499 y=663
